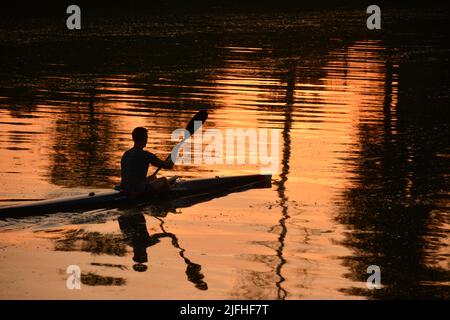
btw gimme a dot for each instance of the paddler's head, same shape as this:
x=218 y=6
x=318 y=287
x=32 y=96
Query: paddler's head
x=140 y=256
x=140 y=267
x=140 y=137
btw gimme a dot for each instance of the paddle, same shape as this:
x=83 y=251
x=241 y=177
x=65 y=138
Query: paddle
x=200 y=116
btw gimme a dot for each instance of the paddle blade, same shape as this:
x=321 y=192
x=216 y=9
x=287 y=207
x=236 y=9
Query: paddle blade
x=200 y=118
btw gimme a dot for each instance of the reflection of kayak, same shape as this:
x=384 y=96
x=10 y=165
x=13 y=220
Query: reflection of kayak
x=111 y=199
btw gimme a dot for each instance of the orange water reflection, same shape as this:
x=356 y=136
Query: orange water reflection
x=300 y=239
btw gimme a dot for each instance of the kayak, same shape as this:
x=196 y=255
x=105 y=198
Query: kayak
x=113 y=199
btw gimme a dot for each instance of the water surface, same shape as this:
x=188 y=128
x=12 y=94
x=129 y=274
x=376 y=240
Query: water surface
x=363 y=169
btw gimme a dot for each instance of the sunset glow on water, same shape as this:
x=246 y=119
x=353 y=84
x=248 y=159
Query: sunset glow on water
x=362 y=171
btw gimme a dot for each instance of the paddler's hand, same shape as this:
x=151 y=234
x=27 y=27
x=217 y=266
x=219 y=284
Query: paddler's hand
x=169 y=164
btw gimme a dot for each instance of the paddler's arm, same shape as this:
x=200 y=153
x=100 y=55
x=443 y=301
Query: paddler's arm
x=155 y=161
x=163 y=164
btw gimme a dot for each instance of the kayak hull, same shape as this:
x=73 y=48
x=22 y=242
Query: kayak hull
x=114 y=198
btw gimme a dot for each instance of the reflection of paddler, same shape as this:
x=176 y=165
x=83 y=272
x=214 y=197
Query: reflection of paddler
x=134 y=229
x=136 y=235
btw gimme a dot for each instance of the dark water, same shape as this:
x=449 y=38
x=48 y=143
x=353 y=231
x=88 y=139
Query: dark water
x=364 y=123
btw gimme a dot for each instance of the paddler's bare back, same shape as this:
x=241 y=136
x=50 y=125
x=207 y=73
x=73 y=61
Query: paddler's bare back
x=135 y=163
